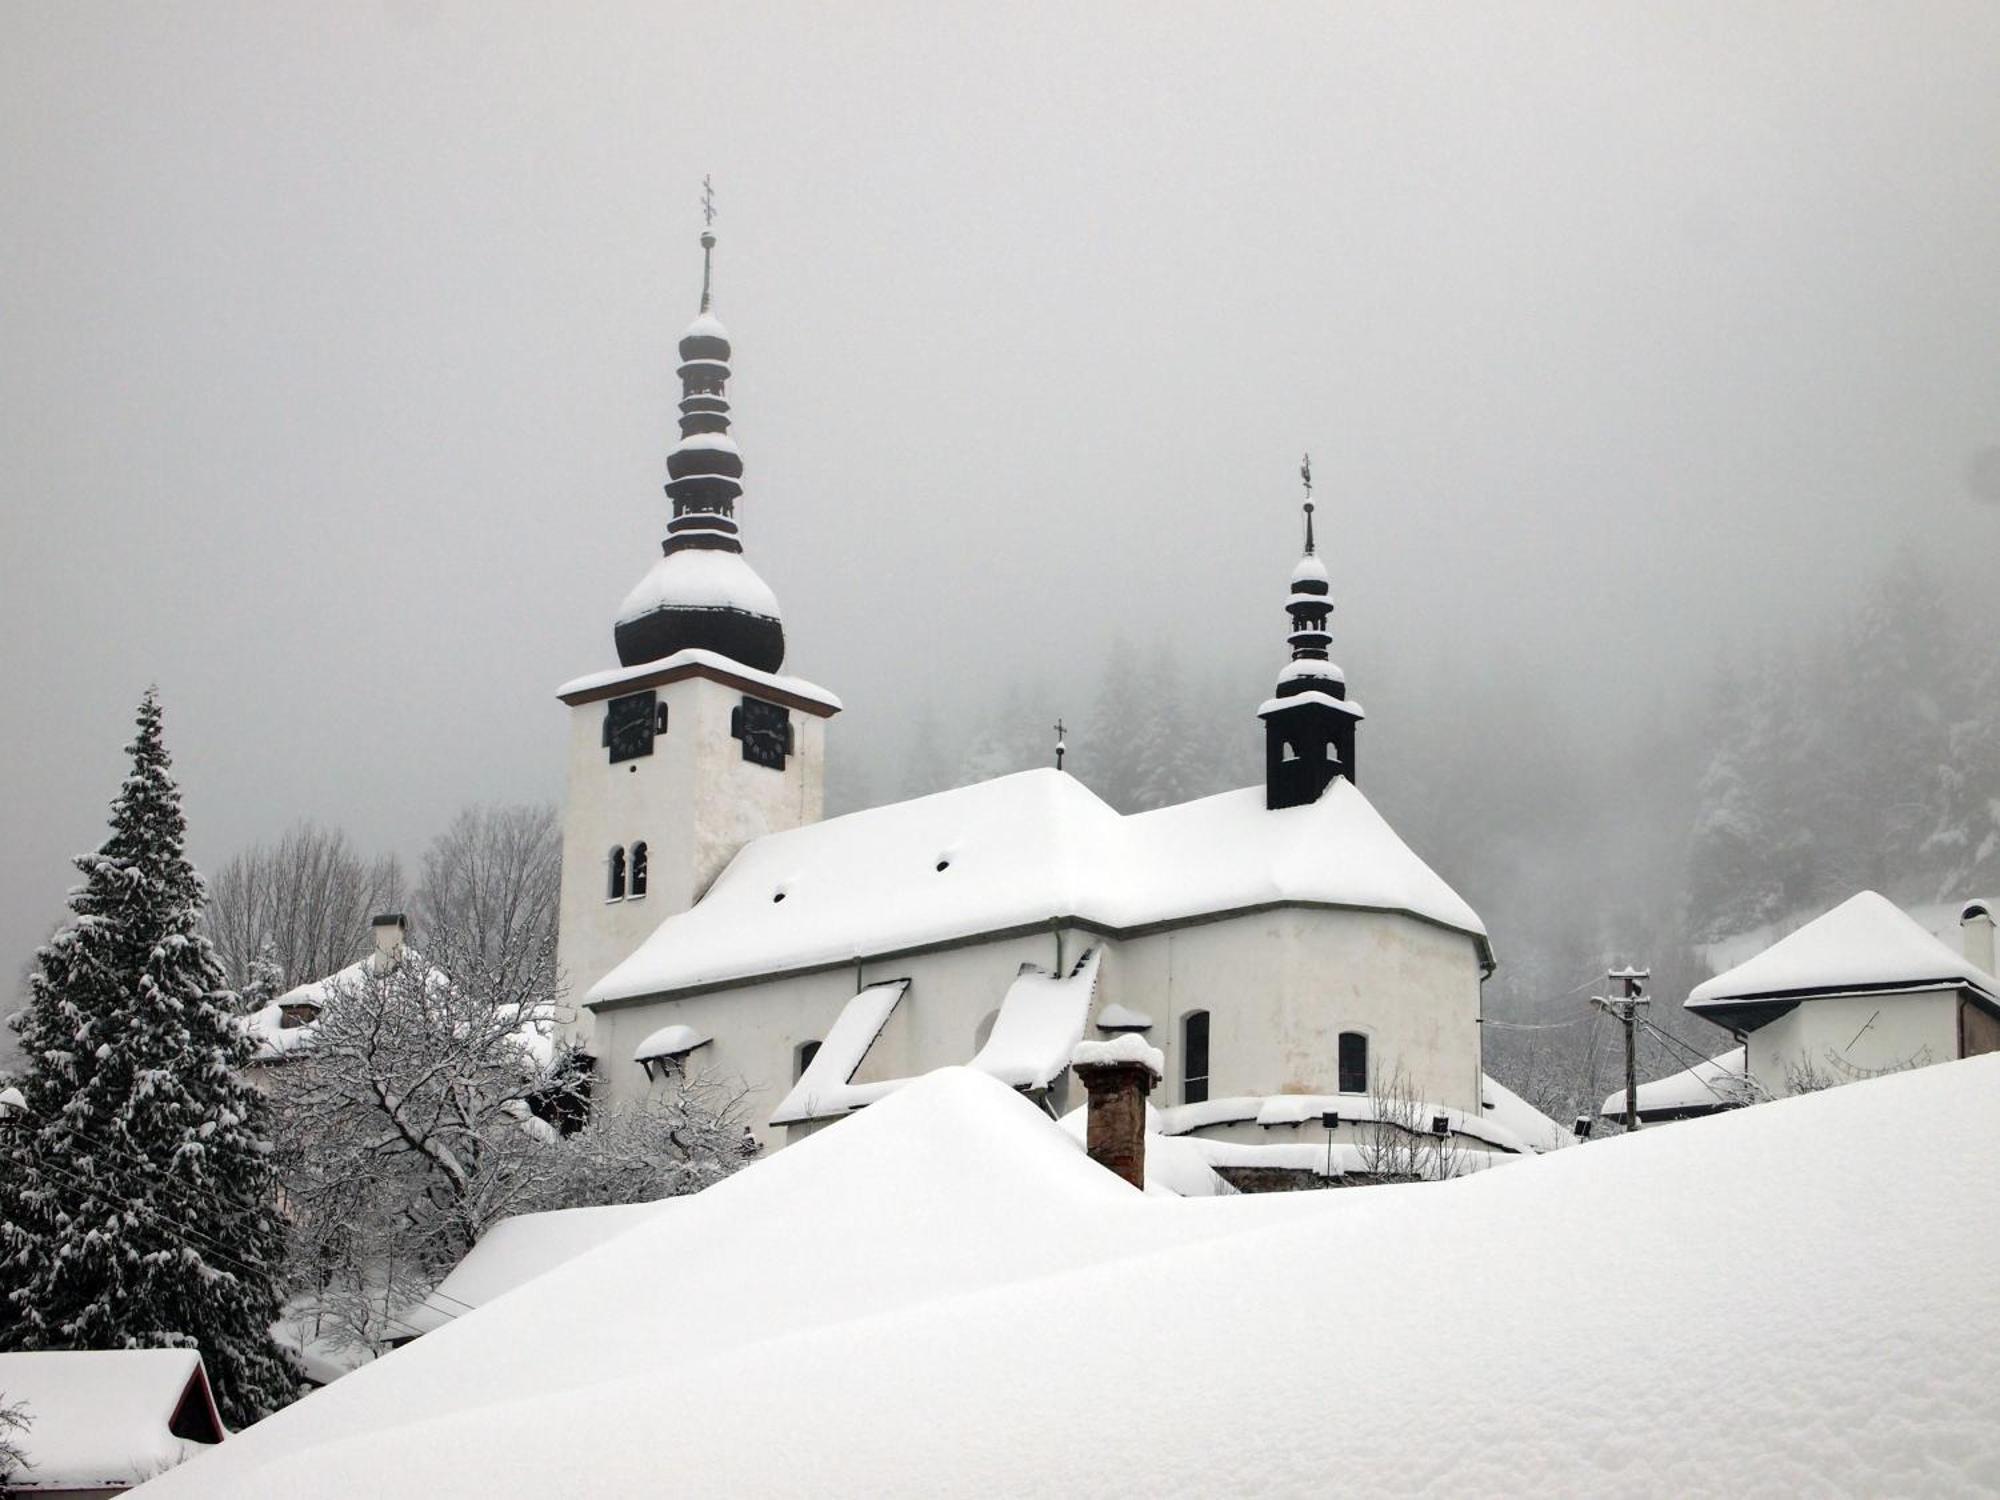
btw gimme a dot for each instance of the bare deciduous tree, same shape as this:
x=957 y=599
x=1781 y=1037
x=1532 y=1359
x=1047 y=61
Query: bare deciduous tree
x=1398 y=1143
x=404 y=1128
x=303 y=902
x=494 y=880
x=13 y=1459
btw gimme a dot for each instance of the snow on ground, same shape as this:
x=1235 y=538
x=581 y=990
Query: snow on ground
x=944 y=1297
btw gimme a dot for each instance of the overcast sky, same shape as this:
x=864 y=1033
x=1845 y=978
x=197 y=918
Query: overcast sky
x=336 y=357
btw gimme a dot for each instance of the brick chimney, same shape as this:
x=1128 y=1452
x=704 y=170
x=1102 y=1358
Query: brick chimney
x=1118 y=1075
x=1975 y=926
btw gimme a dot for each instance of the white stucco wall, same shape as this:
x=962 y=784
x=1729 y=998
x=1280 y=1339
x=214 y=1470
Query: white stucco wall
x=694 y=801
x=1848 y=1036
x=1279 y=987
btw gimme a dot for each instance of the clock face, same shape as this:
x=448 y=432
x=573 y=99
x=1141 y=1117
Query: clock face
x=766 y=732
x=629 y=725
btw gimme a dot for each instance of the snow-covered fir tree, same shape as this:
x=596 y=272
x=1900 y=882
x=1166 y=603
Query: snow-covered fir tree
x=137 y=1203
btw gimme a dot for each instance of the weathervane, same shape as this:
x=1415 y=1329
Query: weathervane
x=707 y=200
x=1062 y=743
x=1306 y=478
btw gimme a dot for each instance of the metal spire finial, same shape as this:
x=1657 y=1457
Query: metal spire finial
x=1062 y=743
x=1306 y=476
x=707 y=239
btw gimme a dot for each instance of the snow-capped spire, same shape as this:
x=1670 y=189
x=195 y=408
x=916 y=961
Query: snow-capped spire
x=702 y=592
x=1309 y=723
x=1309 y=605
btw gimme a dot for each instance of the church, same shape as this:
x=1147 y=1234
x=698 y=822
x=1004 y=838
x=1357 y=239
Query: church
x=1295 y=962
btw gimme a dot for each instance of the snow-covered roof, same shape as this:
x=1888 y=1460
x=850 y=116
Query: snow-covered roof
x=1310 y=569
x=825 y=1088
x=518 y=1249
x=1040 y=1022
x=1019 y=852
x=696 y=659
x=1507 y=1109
x=1116 y=1017
x=700 y=578
x=1865 y=944
x=99 y=1418
x=1277 y=1111
x=903 y=1276
x=674 y=1040
x=1701 y=1089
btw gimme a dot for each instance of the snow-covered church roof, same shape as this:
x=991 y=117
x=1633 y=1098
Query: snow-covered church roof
x=897 y=1283
x=1016 y=853
x=1865 y=944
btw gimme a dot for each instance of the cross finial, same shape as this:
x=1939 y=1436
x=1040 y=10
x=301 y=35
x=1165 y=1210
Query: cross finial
x=1306 y=477
x=707 y=240
x=1062 y=743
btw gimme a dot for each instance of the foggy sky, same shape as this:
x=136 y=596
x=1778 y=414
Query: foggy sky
x=336 y=359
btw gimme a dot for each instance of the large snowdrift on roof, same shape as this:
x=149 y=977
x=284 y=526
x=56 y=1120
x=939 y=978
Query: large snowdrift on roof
x=1866 y=942
x=943 y=1296
x=1018 y=851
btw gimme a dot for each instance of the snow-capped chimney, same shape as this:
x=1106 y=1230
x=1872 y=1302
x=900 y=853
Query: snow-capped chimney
x=1975 y=925
x=390 y=930
x=1118 y=1075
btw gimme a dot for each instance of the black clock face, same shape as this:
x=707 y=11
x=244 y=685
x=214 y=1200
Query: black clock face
x=766 y=732
x=629 y=724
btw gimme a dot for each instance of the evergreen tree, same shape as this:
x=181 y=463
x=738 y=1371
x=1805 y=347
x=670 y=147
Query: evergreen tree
x=1729 y=884
x=137 y=1200
x=266 y=981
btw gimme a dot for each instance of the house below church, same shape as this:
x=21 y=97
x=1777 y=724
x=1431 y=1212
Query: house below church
x=1859 y=991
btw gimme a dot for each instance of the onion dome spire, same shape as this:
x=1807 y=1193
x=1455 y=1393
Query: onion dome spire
x=1309 y=721
x=702 y=593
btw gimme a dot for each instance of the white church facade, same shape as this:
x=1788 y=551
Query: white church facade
x=1283 y=948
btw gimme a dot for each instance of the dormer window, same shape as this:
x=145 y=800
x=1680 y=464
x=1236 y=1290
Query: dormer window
x=615 y=885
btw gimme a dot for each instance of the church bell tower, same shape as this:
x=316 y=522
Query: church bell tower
x=693 y=745
x=1309 y=724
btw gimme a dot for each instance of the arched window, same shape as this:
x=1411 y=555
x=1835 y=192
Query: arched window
x=1353 y=1063
x=639 y=868
x=616 y=890
x=1194 y=1057
x=802 y=1058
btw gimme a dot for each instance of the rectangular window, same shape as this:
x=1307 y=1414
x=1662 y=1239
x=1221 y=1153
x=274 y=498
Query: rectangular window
x=1194 y=1057
x=1353 y=1063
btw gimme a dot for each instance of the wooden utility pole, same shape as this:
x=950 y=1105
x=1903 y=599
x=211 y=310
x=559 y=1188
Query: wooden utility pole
x=1624 y=1007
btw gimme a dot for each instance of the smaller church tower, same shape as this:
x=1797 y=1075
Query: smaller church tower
x=1309 y=725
